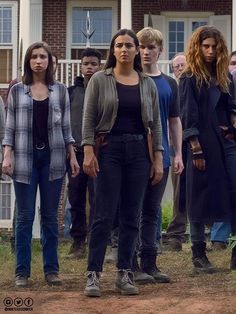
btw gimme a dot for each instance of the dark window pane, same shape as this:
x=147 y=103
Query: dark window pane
x=180 y=26
x=172 y=26
x=5 y=65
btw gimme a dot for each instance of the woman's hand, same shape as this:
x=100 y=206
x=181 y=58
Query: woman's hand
x=157 y=168
x=90 y=164
x=7 y=164
x=197 y=154
x=74 y=166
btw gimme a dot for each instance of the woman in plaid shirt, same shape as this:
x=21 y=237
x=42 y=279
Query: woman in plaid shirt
x=37 y=141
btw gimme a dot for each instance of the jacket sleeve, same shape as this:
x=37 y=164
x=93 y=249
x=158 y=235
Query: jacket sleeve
x=9 y=138
x=189 y=107
x=156 y=127
x=90 y=111
x=2 y=119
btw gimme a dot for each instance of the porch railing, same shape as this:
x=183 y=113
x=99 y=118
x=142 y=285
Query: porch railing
x=69 y=69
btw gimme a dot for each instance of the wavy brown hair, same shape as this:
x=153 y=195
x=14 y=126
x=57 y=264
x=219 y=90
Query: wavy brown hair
x=195 y=61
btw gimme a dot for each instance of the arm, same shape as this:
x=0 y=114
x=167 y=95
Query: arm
x=175 y=128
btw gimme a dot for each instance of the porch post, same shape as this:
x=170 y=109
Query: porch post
x=233 y=25
x=30 y=28
x=126 y=14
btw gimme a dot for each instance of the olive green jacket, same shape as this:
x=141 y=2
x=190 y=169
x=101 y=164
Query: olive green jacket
x=101 y=106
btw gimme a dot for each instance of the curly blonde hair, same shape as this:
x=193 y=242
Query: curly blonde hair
x=195 y=61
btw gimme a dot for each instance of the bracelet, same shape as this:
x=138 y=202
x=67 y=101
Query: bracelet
x=198 y=156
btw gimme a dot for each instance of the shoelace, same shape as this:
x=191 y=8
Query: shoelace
x=127 y=276
x=92 y=275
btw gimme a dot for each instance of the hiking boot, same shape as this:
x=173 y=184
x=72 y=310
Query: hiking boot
x=92 y=288
x=218 y=245
x=148 y=265
x=142 y=278
x=125 y=282
x=53 y=279
x=77 y=251
x=111 y=257
x=200 y=260
x=173 y=245
x=21 y=281
x=203 y=265
x=158 y=275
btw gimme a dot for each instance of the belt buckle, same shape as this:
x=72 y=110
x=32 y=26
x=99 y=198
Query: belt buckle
x=40 y=146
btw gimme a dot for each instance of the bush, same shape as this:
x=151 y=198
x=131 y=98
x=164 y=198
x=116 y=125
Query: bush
x=166 y=214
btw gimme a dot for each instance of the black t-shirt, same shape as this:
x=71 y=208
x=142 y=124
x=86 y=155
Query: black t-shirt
x=40 y=121
x=129 y=118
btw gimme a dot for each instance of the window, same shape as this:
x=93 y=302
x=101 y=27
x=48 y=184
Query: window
x=103 y=20
x=8 y=40
x=179 y=31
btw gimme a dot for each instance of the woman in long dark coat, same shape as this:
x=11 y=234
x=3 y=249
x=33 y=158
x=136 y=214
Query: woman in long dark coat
x=209 y=124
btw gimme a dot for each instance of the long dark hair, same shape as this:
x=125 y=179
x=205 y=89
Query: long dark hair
x=28 y=73
x=111 y=60
x=195 y=62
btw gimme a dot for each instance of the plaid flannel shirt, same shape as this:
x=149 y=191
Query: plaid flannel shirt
x=19 y=130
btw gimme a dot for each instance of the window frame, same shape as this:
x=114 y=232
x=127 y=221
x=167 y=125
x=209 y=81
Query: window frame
x=13 y=45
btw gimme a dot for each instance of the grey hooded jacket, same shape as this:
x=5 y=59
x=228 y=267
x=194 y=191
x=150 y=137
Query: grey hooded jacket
x=101 y=106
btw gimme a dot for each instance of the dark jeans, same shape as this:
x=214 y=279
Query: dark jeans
x=77 y=191
x=49 y=200
x=124 y=172
x=177 y=226
x=197 y=228
x=150 y=215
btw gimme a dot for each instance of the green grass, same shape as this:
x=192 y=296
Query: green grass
x=166 y=214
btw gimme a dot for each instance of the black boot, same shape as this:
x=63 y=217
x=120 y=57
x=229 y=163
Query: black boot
x=200 y=260
x=140 y=277
x=148 y=265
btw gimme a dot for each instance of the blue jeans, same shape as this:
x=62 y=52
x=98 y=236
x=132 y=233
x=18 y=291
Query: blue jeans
x=49 y=200
x=220 y=231
x=124 y=172
x=197 y=228
x=150 y=228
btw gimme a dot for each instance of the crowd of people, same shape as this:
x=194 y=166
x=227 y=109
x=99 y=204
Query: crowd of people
x=116 y=134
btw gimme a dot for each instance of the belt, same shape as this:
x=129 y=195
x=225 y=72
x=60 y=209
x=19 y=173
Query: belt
x=126 y=137
x=40 y=146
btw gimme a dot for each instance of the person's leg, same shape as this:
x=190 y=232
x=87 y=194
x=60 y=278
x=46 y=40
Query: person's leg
x=107 y=195
x=24 y=224
x=220 y=232
x=91 y=194
x=77 y=189
x=199 y=258
x=177 y=227
x=149 y=226
x=230 y=161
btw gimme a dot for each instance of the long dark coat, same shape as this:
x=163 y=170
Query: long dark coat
x=207 y=192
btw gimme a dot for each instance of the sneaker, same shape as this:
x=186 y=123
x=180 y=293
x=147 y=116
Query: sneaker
x=21 y=281
x=92 y=288
x=53 y=279
x=143 y=278
x=77 y=251
x=111 y=257
x=202 y=265
x=158 y=275
x=125 y=282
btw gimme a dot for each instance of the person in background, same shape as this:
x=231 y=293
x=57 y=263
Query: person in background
x=209 y=124
x=121 y=111
x=2 y=129
x=77 y=187
x=151 y=46
x=38 y=138
x=175 y=233
x=220 y=231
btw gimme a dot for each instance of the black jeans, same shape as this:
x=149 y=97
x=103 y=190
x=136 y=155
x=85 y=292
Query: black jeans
x=197 y=228
x=124 y=172
x=77 y=190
